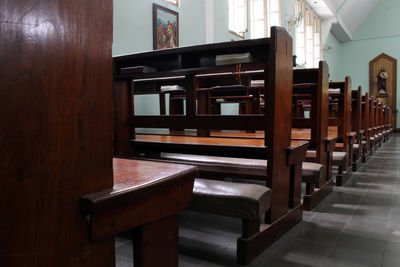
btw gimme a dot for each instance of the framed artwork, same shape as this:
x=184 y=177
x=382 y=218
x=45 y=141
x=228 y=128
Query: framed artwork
x=383 y=81
x=165 y=28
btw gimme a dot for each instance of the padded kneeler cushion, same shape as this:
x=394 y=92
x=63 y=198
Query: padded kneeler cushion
x=245 y=201
x=364 y=144
x=227 y=161
x=356 y=149
x=339 y=158
x=313 y=172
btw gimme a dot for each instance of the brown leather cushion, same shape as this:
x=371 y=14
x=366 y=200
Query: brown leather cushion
x=251 y=163
x=364 y=144
x=246 y=201
x=339 y=158
x=313 y=172
x=356 y=148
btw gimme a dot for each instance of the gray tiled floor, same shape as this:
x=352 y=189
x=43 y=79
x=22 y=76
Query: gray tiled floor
x=356 y=225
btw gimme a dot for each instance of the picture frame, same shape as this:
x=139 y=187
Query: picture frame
x=388 y=94
x=165 y=28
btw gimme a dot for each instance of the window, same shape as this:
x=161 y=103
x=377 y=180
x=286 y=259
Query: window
x=308 y=37
x=274 y=14
x=300 y=36
x=174 y=2
x=257 y=14
x=317 y=41
x=238 y=17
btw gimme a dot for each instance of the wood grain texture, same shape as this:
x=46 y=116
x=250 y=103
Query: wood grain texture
x=277 y=136
x=56 y=137
x=143 y=193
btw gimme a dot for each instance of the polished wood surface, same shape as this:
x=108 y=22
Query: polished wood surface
x=133 y=175
x=146 y=197
x=245 y=142
x=56 y=137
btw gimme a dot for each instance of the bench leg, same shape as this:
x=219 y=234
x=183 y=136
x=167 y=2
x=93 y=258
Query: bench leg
x=156 y=243
x=250 y=228
x=339 y=176
x=309 y=188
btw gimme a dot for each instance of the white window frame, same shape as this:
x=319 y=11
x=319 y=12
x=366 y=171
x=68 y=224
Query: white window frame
x=270 y=13
x=231 y=11
x=311 y=24
x=317 y=40
x=300 y=35
x=254 y=20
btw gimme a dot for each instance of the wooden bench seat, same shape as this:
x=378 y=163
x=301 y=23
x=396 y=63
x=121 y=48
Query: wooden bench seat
x=311 y=172
x=145 y=198
x=340 y=123
x=248 y=202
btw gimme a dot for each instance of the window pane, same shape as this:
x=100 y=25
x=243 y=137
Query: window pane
x=239 y=19
x=316 y=39
x=237 y=16
x=258 y=29
x=317 y=52
x=300 y=56
x=274 y=5
x=258 y=10
x=309 y=32
x=309 y=46
x=300 y=39
x=309 y=61
x=275 y=20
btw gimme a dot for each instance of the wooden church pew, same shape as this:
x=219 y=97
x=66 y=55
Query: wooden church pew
x=310 y=84
x=340 y=123
x=377 y=126
x=356 y=127
x=284 y=157
x=387 y=121
x=365 y=125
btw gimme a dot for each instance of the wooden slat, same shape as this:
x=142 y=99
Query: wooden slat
x=242 y=122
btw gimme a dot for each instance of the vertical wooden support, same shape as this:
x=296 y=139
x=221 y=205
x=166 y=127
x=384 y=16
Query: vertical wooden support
x=56 y=129
x=157 y=238
x=123 y=112
x=278 y=129
x=319 y=131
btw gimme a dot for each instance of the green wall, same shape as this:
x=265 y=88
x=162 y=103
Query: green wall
x=379 y=33
x=333 y=58
x=133 y=24
x=133 y=32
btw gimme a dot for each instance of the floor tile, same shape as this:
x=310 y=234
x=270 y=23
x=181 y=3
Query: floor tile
x=356 y=225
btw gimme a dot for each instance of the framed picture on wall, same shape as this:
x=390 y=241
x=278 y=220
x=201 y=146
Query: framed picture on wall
x=165 y=28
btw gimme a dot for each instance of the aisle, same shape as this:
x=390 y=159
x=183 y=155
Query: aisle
x=356 y=225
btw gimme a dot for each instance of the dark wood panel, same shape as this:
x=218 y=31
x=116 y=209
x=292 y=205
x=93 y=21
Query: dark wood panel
x=228 y=122
x=56 y=138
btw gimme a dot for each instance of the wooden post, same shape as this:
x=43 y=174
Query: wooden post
x=56 y=129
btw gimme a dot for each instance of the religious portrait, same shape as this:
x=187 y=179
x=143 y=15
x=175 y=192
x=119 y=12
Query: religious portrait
x=381 y=81
x=165 y=28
